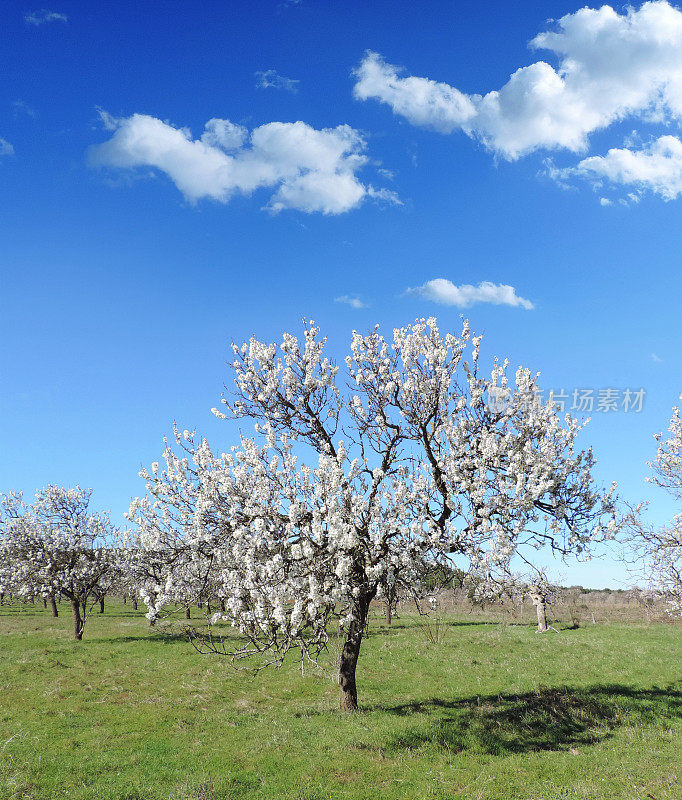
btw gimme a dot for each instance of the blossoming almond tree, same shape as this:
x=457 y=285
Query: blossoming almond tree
x=165 y=568
x=54 y=546
x=500 y=584
x=660 y=549
x=353 y=486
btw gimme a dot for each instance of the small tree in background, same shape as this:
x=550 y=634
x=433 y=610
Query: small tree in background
x=55 y=546
x=503 y=584
x=539 y=589
x=351 y=486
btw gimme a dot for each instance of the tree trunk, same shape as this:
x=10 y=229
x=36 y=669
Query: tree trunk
x=188 y=613
x=222 y=604
x=135 y=605
x=542 y=615
x=349 y=655
x=101 y=605
x=125 y=599
x=349 y=661
x=53 y=606
x=44 y=602
x=2 y=598
x=78 y=623
x=390 y=600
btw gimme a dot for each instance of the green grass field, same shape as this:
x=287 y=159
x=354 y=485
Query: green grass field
x=491 y=711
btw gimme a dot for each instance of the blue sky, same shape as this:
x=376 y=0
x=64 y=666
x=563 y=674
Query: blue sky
x=120 y=292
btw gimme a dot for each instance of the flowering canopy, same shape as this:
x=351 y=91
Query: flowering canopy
x=54 y=546
x=662 y=549
x=352 y=486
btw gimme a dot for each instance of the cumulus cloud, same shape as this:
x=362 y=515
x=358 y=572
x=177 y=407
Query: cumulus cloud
x=6 y=148
x=610 y=66
x=353 y=302
x=656 y=166
x=270 y=79
x=43 y=15
x=311 y=170
x=443 y=291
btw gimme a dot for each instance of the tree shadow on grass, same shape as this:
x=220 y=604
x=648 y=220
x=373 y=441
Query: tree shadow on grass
x=150 y=637
x=547 y=719
x=379 y=628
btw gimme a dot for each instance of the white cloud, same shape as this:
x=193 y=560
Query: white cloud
x=604 y=201
x=353 y=302
x=6 y=148
x=656 y=358
x=20 y=107
x=443 y=291
x=387 y=196
x=610 y=66
x=43 y=15
x=656 y=166
x=311 y=170
x=420 y=100
x=270 y=79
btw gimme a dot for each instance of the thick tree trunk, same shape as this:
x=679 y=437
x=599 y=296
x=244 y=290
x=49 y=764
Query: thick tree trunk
x=2 y=598
x=222 y=604
x=542 y=614
x=53 y=606
x=44 y=602
x=349 y=661
x=348 y=699
x=188 y=613
x=135 y=605
x=101 y=605
x=78 y=623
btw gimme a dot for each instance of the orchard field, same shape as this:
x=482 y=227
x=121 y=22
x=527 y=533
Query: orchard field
x=461 y=706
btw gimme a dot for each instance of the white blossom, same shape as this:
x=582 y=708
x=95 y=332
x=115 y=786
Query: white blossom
x=343 y=495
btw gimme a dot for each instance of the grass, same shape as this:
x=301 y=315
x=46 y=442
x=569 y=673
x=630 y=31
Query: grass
x=490 y=711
